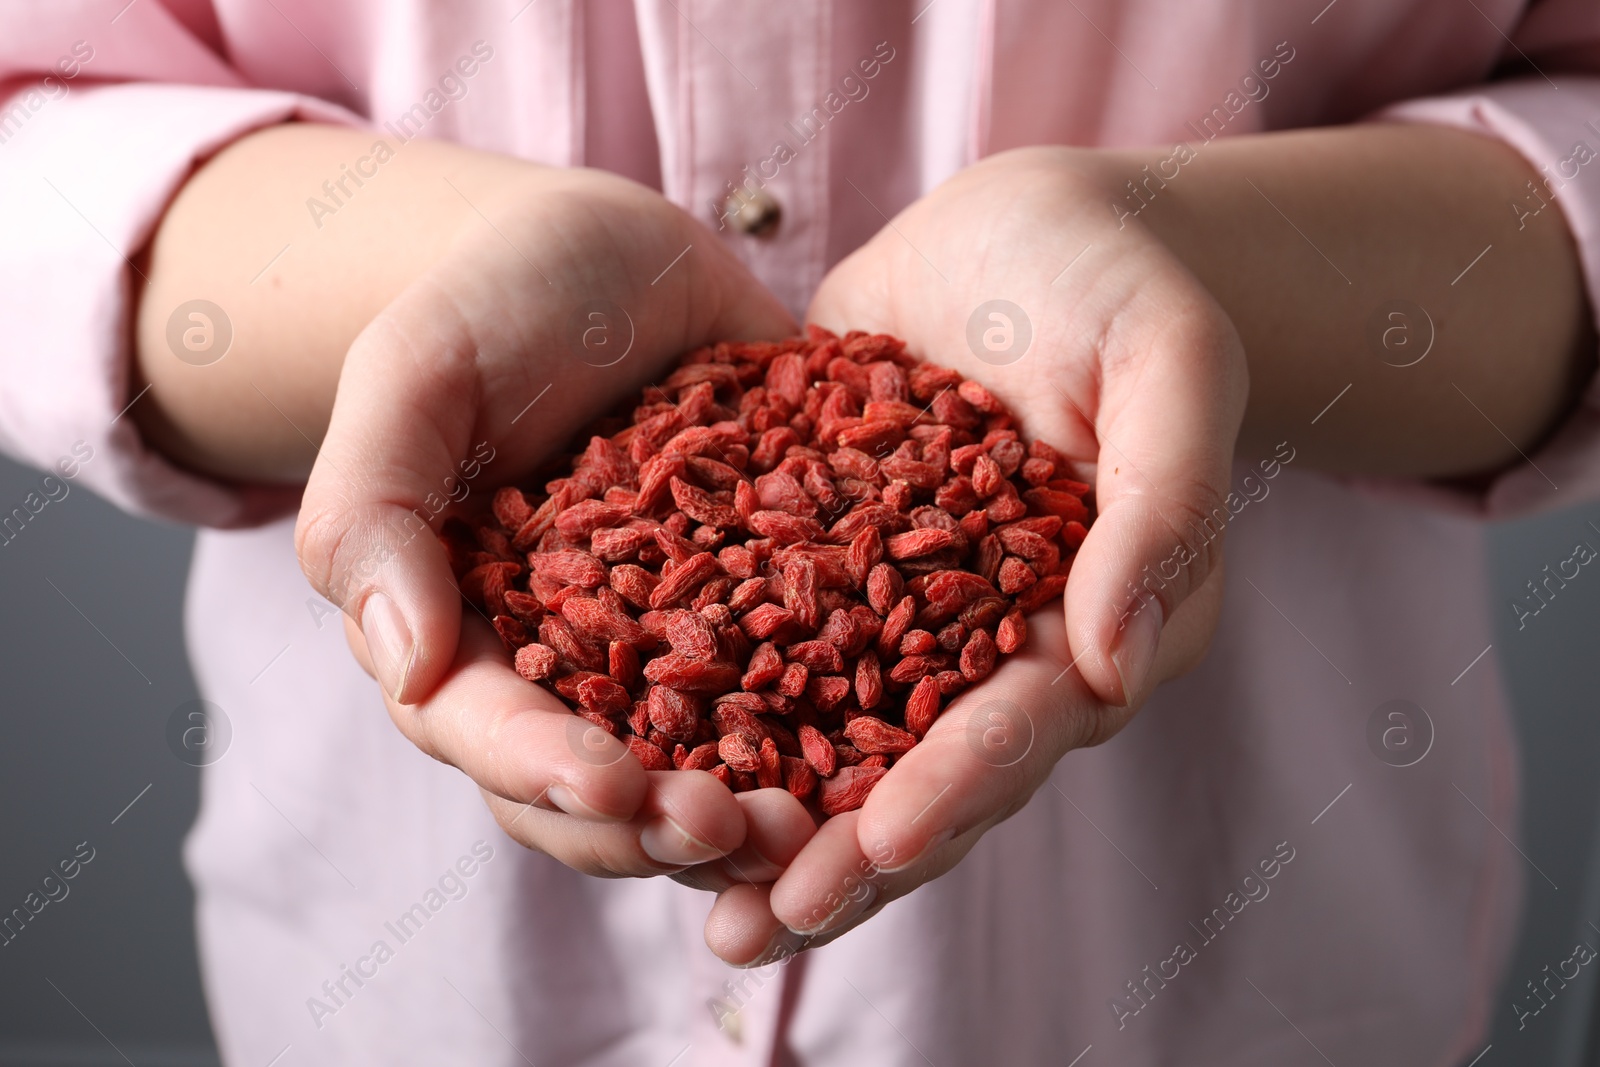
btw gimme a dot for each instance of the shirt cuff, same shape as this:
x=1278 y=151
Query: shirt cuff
x=1556 y=129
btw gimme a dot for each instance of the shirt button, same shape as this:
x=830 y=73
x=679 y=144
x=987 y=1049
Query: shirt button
x=726 y=1014
x=754 y=213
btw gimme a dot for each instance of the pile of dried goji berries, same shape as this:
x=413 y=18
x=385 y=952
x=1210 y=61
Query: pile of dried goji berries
x=781 y=563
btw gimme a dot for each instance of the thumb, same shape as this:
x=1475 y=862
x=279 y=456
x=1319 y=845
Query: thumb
x=1166 y=425
x=438 y=368
x=392 y=457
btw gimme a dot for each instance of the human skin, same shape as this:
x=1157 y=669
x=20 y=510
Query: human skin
x=434 y=305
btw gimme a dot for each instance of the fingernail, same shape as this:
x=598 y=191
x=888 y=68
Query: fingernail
x=1134 y=652
x=784 y=943
x=388 y=642
x=844 y=915
x=666 y=842
x=936 y=842
x=749 y=871
x=568 y=801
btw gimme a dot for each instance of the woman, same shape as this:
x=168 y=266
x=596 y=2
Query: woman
x=1260 y=268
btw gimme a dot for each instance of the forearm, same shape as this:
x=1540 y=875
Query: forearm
x=250 y=414
x=1304 y=237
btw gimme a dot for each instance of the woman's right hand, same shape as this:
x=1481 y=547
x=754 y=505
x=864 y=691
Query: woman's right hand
x=560 y=297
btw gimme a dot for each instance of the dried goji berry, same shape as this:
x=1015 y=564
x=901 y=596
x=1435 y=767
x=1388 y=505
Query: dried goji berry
x=649 y=755
x=847 y=790
x=818 y=656
x=536 y=662
x=738 y=753
x=922 y=707
x=570 y=567
x=692 y=675
x=1015 y=576
x=769 y=771
x=764 y=620
x=792 y=682
x=673 y=713
x=685 y=578
x=765 y=667
x=692 y=634
x=818 y=750
x=1013 y=631
x=603 y=695
x=798 y=777
x=978 y=656
x=827 y=691
x=880 y=521
x=873 y=736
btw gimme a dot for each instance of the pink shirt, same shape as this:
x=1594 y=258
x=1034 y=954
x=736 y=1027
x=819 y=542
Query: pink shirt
x=1129 y=907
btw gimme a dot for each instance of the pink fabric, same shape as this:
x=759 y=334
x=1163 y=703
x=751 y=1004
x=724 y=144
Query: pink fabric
x=1380 y=939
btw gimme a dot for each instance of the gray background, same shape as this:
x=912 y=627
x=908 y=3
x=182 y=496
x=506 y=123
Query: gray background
x=94 y=666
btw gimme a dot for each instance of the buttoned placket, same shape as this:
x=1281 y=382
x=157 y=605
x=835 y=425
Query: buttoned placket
x=735 y=1013
x=741 y=156
x=746 y=154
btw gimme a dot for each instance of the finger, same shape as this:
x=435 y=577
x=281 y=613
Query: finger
x=432 y=390
x=358 y=645
x=778 y=827
x=517 y=740
x=399 y=435
x=982 y=760
x=1170 y=410
x=687 y=818
x=742 y=929
x=986 y=753
x=834 y=886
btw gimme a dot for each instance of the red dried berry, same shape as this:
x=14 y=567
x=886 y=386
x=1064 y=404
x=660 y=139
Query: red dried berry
x=603 y=695
x=692 y=634
x=738 y=753
x=922 y=707
x=818 y=750
x=1015 y=576
x=702 y=757
x=818 y=656
x=673 y=713
x=764 y=620
x=596 y=624
x=914 y=543
x=692 y=675
x=885 y=587
x=765 y=667
x=978 y=657
x=769 y=772
x=1011 y=633
x=847 y=790
x=792 y=682
x=649 y=755
x=798 y=777
x=569 y=567
x=874 y=736
x=796 y=551
x=536 y=662
x=685 y=578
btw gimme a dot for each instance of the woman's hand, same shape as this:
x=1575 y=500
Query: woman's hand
x=565 y=295
x=561 y=785
x=445 y=327
x=1109 y=349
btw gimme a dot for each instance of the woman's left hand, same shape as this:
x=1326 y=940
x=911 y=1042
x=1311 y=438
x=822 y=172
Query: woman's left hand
x=1016 y=273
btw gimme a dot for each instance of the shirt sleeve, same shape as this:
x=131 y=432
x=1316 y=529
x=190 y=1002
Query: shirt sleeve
x=98 y=131
x=1549 y=112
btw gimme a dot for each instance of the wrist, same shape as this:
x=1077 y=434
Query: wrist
x=295 y=237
